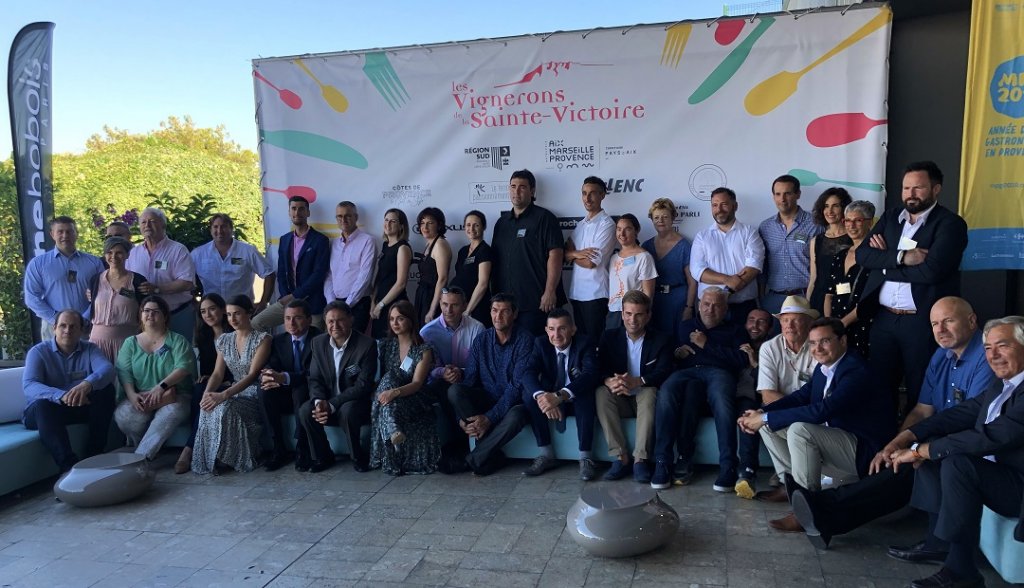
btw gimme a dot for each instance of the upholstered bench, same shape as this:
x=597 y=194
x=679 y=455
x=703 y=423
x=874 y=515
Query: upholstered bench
x=1005 y=553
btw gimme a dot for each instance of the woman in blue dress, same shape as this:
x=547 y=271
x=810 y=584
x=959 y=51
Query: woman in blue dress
x=675 y=289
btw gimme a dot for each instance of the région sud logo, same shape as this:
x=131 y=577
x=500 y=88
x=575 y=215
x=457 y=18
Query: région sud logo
x=516 y=103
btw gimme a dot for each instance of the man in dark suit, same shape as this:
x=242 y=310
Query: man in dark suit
x=559 y=380
x=833 y=424
x=341 y=385
x=973 y=455
x=284 y=382
x=303 y=259
x=914 y=253
x=633 y=362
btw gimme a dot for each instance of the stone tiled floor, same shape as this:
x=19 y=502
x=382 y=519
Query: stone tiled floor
x=341 y=528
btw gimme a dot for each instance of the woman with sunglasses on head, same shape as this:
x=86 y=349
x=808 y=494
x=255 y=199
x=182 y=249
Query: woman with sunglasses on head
x=156 y=369
x=828 y=212
x=847 y=278
x=115 y=297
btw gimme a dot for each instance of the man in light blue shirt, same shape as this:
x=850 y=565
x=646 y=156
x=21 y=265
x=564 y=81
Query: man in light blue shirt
x=787 y=236
x=58 y=279
x=68 y=380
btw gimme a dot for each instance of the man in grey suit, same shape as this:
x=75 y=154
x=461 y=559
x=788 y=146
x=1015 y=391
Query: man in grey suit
x=340 y=389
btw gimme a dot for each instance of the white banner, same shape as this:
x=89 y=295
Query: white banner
x=657 y=111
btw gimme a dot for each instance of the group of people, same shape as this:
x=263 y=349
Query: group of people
x=814 y=333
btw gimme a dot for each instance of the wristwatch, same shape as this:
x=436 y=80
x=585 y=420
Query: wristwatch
x=913 y=449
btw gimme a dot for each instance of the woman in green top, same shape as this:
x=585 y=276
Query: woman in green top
x=156 y=369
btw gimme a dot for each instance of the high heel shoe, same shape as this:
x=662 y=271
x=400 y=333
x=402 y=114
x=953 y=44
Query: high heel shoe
x=397 y=438
x=184 y=462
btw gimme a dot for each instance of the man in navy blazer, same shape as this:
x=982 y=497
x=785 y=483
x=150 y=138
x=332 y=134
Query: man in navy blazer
x=634 y=361
x=914 y=256
x=284 y=382
x=303 y=259
x=833 y=424
x=560 y=379
x=973 y=455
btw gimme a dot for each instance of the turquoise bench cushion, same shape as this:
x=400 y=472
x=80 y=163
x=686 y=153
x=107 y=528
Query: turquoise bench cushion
x=1005 y=553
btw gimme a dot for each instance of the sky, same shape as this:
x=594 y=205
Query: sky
x=130 y=65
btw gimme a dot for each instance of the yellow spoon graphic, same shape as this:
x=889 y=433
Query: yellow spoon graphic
x=332 y=96
x=769 y=94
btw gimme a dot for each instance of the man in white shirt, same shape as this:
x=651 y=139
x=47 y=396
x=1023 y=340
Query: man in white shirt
x=729 y=254
x=350 y=277
x=588 y=249
x=785 y=361
x=228 y=267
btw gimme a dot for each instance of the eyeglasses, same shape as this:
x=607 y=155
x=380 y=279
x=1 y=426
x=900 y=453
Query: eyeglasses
x=855 y=221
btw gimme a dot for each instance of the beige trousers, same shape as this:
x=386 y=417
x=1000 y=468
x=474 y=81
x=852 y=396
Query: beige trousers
x=807 y=451
x=612 y=408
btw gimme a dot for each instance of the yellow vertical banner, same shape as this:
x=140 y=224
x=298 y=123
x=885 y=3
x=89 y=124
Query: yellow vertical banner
x=992 y=164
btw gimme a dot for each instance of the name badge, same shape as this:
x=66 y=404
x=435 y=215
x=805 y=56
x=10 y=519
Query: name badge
x=72 y=277
x=126 y=293
x=352 y=370
x=406 y=364
x=77 y=375
x=470 y=260
x=906 y=244
x=236 y=261
x=629 y=261
x=800 y=237
x=160 y=264
x=805 y=377
x=521 y=233
x=843 y=288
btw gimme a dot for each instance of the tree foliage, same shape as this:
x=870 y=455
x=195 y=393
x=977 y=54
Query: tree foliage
x=190 y=172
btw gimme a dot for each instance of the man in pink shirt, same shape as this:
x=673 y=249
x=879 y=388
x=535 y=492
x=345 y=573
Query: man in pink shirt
x=168 y=269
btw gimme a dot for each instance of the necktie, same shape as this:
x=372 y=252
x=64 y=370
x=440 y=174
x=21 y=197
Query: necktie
x=996 y=408
x=297 y=354
x=559 y=384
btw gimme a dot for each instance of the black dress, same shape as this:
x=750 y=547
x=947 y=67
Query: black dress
x=851 y=284
x=825 y=248
x=387 y=275
x=427 y=283
x=467 y=275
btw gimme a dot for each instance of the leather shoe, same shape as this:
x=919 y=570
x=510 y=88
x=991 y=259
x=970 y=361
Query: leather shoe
x=320 y=465
x=587 y=469
x=945 y=579
x=773 y=495
x=360 y=466
x=541 y=464
x=804 y=512
x=302 y=463
x=918 y=552
x=276 y=462
x=787 y=524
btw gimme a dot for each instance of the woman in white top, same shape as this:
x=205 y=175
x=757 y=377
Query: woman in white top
x=630 y=268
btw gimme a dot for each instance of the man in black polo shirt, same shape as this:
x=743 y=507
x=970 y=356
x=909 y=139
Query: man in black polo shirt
x=528 y=254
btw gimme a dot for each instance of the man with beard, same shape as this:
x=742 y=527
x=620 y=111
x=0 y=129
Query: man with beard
x=914 y=253
x=728 y=254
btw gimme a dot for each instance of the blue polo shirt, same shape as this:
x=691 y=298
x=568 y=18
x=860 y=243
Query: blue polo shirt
x=787 y=254
x=946 y=375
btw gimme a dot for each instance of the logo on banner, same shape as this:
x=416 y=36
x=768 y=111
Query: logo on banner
x=559 y=154
x=401 y=195
x=683 y=211
x=613 y=151
x=488 y=192
x=625 y=185
x=496 y=157
x=550 y=66
x=568 y=223
x=704 y=179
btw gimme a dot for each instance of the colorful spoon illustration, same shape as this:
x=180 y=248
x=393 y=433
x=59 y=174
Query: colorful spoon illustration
x=676 y=37
x=727 y=30
x=332 y=96
x=809 y=178
x=769 y=94
x=731 y=64
x=309 y=194
x=287 y=96
x=315 y=145
x=833 y=130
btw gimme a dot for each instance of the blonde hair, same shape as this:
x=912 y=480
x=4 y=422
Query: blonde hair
x=662 y=204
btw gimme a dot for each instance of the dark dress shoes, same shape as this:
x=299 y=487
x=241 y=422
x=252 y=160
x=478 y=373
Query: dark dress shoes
x=804 y=511
x=773 y=495
x=945 y=579
x=919 y=552
x=320 y=465
x=276 y=462
x=360 y=466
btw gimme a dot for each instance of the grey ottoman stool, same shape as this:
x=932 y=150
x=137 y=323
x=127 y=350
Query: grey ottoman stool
x=102 y=480
x=621 y=520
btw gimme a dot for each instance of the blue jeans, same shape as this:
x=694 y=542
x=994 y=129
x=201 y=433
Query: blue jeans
x=677 y=413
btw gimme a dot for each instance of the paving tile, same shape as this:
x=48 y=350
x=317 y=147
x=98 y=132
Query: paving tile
x=155 y=576
x=498 y=538
x=503 y=562
x=435 y=568
x=611 y=572
x=565 y=571
x=473 y=578
x=195 y=551
x=395 y=565
x=67 y=573
x=262 y=556
x=219 y=578
x=283 y=581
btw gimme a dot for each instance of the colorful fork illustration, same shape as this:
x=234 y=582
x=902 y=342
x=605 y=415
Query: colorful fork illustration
x=676 y=37
x=383 y=77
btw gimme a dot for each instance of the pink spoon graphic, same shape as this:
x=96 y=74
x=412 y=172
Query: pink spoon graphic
x=309 y=194
x=833 y=130
x=290 y=98
x=727 y=30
